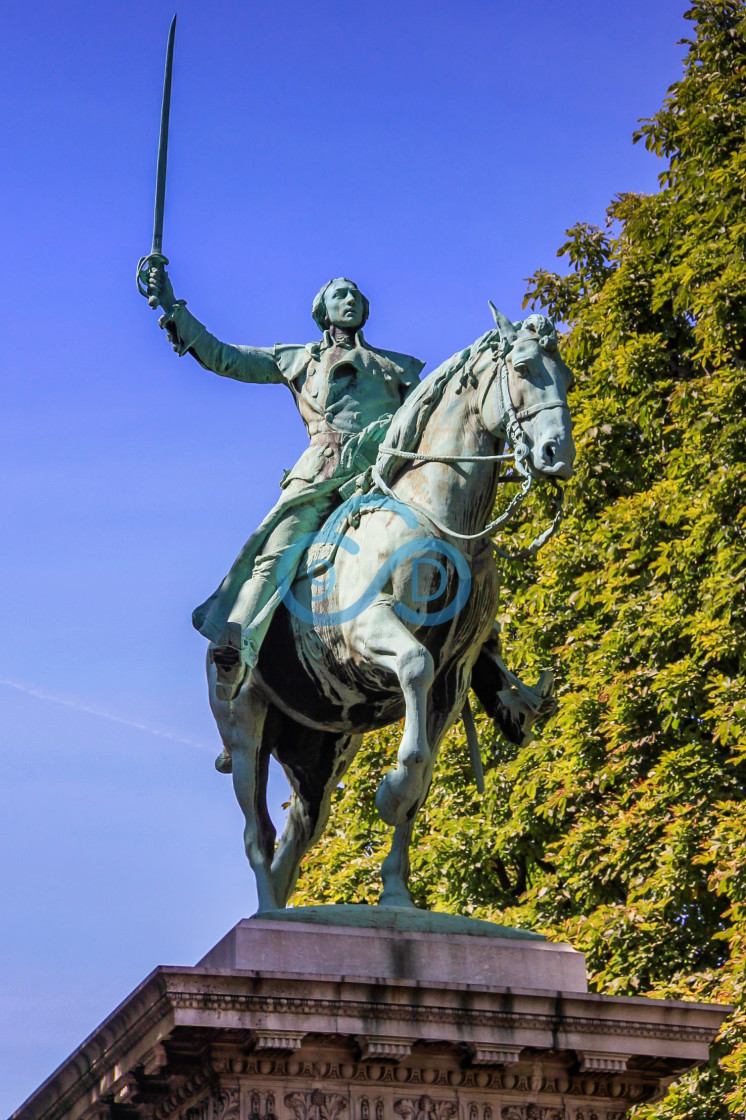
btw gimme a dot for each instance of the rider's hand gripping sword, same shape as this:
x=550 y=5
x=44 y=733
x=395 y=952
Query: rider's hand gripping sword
x=155 y=257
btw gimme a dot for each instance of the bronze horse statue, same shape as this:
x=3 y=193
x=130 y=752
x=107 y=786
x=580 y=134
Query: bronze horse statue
x=403 y=624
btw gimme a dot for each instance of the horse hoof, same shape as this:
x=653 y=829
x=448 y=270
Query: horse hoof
x=400 y=898
x=389 y=807
x=396 y=797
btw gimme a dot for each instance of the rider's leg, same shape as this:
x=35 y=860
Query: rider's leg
x=243 y=632
x=237 y=649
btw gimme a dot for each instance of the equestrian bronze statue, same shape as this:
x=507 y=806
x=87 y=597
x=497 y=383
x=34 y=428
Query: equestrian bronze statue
x=369 y=592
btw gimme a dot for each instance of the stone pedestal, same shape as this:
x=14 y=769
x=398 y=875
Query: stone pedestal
x=292 y=1020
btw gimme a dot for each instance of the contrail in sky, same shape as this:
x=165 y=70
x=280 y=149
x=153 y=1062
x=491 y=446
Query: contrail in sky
x=30 y=690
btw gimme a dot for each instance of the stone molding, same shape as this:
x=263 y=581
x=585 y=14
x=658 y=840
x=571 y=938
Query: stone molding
x=605 y=1062
x=226 y=1104
x=425 y=1108
x=371 y=1009
x=529 y=1079
x=236 y=1087
x=317 y=1105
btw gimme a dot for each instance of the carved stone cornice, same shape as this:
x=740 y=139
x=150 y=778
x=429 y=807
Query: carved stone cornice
x=154 y=1060
x=183 y=1090
x=425 y=1108
x=101 y=1110
x=241 y=1001
x=317 y=1105
x=85 y=1072
x=125 y=1089
x=533 y=1112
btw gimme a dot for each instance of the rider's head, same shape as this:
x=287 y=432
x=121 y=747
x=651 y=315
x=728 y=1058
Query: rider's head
x=340 y=303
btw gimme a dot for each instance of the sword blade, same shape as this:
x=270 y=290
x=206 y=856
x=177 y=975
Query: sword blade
x=160 y=180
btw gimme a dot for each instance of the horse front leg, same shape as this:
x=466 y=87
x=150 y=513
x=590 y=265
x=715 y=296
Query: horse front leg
x=512 y=705
x=395 y=869
x=383 y=640
x=241 y=724
x=445 y=702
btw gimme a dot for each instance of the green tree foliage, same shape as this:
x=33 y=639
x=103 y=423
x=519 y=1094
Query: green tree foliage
x=623 y=827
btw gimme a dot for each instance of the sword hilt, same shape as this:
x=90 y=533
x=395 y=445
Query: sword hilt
x=143 y=267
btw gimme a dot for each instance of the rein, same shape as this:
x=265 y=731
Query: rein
x=519 y=443
x=445 y=458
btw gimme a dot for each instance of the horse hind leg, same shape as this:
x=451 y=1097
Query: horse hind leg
x=241 y=725
x=382 y=639
x=314 y=762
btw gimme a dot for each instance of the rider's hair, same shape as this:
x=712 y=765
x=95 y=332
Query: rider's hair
x=319 y=304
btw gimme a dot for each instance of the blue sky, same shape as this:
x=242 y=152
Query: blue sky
x=434 y=152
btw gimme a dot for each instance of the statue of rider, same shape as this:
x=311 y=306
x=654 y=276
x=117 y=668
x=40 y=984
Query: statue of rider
x=346 y=392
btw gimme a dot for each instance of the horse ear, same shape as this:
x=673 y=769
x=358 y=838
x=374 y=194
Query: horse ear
x=507 y=330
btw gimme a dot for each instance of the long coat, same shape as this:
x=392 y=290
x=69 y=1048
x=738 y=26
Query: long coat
x=339 y=391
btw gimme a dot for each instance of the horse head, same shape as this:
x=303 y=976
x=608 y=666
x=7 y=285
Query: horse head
x=529 y=405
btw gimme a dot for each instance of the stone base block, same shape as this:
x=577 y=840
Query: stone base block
x=463 y=951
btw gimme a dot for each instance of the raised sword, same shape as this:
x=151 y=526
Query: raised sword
x=155 y=257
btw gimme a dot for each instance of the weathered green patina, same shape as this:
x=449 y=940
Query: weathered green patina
x=324 y=680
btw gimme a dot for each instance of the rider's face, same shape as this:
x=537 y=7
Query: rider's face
x=344 y=305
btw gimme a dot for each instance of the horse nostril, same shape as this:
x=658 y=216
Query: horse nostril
x=549 y=451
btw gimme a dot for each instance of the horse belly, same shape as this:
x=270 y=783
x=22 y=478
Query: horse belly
x=320 y=686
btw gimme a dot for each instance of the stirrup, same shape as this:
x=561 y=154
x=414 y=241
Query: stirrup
x=224 y=762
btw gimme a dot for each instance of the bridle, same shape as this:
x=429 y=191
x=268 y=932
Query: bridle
x=520 y=445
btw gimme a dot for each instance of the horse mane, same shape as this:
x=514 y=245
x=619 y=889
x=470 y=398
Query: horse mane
x=410 y=420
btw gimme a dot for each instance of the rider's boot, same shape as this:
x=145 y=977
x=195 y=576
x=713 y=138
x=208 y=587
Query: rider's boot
x=234 y=655
x=237 y=649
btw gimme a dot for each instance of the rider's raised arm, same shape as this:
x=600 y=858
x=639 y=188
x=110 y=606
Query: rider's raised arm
x=188 y=336
x=243 y=363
